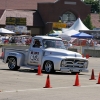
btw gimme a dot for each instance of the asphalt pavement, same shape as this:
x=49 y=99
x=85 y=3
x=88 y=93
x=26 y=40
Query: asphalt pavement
x=24 y=84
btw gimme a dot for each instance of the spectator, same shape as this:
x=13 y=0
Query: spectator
x=12 y=40
x=23 y=40
x=95 y=42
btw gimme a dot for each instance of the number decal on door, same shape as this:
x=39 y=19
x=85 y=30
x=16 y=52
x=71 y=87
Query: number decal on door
x=34 y=57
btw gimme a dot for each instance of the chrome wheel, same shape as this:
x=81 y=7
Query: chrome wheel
x=48 y=66
x=12 y=63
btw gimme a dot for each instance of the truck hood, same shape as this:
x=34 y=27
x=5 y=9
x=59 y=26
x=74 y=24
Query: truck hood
x=61 y=52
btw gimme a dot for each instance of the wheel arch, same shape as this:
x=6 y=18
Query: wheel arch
x=10 y=57
x=54 y=59
x=18 y=56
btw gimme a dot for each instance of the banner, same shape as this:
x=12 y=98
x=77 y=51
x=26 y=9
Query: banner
x=10 y=20
x=59 y=25
x=16 y=21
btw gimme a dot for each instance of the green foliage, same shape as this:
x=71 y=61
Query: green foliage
x=95 y=7
x=88 y=1
x=87 y=22
x=51 y=32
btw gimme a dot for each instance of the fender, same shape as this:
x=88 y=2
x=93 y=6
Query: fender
x=55 y=59
x=19 y=56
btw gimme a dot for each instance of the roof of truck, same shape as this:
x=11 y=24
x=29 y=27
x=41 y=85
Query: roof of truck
x=47 y=37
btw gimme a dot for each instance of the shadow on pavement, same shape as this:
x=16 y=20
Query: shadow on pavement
x=43 y=72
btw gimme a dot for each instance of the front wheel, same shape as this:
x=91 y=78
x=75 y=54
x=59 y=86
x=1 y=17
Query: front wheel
x=48 y=67
x=12 y=63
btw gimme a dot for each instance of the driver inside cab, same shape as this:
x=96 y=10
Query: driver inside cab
x=37 y=44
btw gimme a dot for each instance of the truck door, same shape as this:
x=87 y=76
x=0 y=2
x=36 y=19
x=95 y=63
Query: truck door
x=35 y=53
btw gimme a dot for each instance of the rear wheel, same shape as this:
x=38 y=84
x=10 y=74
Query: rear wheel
x=12 y=63
x=48 y=67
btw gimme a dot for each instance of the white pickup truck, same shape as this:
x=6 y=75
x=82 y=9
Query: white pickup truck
x=48 y=52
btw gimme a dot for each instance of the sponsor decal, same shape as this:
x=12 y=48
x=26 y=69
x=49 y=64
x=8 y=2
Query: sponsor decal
x=34 y=57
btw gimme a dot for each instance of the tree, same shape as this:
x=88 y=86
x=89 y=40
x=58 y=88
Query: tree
x=95 y=7
x=88 y=1
x=87 y=22
x=51 y=31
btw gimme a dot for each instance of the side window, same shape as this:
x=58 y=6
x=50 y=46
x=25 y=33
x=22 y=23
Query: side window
x=37 y=43
x=46 y=44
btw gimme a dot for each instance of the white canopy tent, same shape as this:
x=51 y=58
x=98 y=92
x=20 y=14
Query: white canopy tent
x=70 y=32
x=5 y=31
x=67 y=35
x=78 y=25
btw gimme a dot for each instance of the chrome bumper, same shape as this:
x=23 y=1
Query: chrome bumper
x=64 y=69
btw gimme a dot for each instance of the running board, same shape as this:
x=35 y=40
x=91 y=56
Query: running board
x=30 y=66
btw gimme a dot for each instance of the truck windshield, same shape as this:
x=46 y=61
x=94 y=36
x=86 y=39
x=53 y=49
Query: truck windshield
x=53 y=44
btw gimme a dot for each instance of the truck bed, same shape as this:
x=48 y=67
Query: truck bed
x=16 y=46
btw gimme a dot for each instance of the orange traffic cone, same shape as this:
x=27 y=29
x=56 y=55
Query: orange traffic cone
x=39 y=70
x=92 y=75
x=87 y=56
x=77 y=81
x=99 y=79
x=47 y=85
x=2 y=55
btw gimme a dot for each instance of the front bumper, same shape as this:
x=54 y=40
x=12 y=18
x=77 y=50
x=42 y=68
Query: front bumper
x=68 y=69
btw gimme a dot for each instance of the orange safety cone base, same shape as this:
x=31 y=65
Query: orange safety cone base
x=92 y=79
x=76 y=85
x=97 y=83
x=39 y=74
x=47 y=87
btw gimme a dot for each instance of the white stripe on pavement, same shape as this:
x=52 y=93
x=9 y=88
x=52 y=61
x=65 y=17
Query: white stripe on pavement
x=48 y=88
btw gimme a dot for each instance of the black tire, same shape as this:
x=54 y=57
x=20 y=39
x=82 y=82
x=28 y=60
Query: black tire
x=35 y=70
x=12 y=63
x=49 y=67
x=74 y=73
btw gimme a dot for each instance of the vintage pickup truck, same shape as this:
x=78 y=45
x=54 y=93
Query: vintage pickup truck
x=48 y=52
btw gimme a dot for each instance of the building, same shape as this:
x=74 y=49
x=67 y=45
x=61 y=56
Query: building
x=41 y=16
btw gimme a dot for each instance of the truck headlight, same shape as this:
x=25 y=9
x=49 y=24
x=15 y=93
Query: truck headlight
x=63 y=63
x=85 y=64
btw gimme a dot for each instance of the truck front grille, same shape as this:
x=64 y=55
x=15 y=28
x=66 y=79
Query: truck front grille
x=75 y=63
